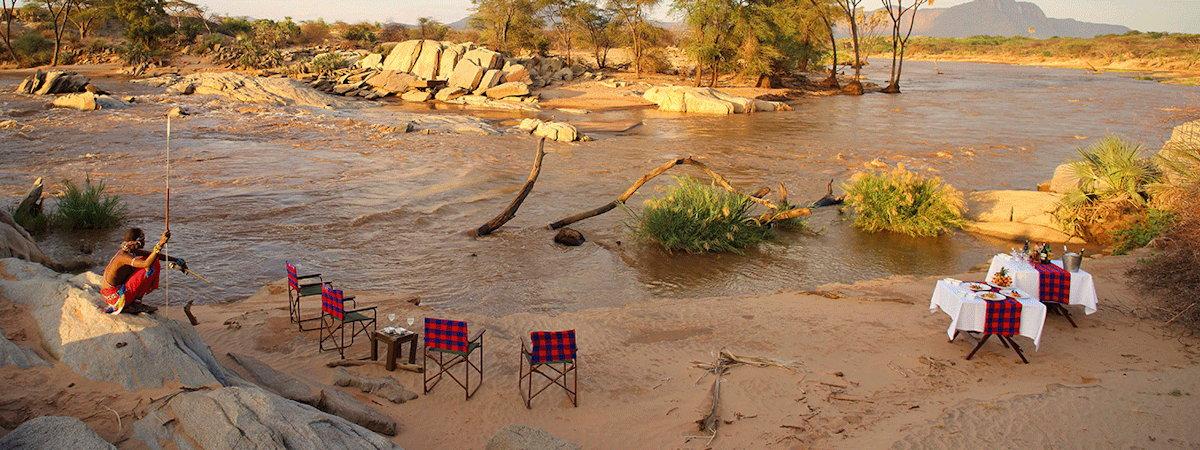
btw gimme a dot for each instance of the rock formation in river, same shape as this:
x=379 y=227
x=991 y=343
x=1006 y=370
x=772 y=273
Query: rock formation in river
x=704 y=100
x=248 y=89
x=53 y=82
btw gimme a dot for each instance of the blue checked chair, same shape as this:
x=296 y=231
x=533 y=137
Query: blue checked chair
x=300 y=286
x=448 y=338
x=336 y=320
x=555 y=352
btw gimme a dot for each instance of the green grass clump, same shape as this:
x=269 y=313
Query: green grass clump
x=904 y=202
x=1138 y=234
x=696 y=217
x=87 y=207
x=328 y=62
x=1113 y=182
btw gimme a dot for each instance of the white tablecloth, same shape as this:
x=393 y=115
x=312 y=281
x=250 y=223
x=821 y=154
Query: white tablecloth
x=968 y=313
x=1025 y=278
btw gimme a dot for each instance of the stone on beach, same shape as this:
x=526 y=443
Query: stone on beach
x=1015 y=215
x=136 y=352
x=387 y=388
x=285 y=385
x=371 y=61
x=53 y=82
x=525 y=437
x=14 y=355
x=569 y=237
x=1064 y=179
x=450 y=93
x=451 y=55
x=248 y=417
x=54 y=432
x=392 y=82
x=484 y=58
x=428 y=62
x=249 y=89
x=403 y=56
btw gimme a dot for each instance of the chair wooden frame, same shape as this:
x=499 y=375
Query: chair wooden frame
x=444 y=365
x=525 y=380
x=333 y=327
x=298 y=289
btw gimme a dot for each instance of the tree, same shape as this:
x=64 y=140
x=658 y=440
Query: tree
x=559 y=15
x=508 y=24
x=59 y=10
x=711 y=22
x=146 y=24
x=595 y=24
x=428 y=28
x=88 y=14
x=8 y=8
x=633 y=15
x=850 y=9
x=897 y=11
x=826 y=11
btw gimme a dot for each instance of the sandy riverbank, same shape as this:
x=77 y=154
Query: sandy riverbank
x=873 y=369
x=1171 y=73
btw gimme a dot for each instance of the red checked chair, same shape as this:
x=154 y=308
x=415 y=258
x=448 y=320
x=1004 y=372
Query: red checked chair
x=336 y=319
x=300 y=286
x=449 y=338
x=554 y=351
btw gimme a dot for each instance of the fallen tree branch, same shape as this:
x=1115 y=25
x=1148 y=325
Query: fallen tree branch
x=712 y=420
x=187 y=310
x=828 y=199
x=716 y=177
x=511 y=210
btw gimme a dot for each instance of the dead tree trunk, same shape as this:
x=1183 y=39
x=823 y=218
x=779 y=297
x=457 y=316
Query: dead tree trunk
x=716 y=177
x=511 y=210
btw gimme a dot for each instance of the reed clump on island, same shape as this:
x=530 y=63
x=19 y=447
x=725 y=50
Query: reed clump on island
x=905 y=202
x=698 y=217
x=88 y=207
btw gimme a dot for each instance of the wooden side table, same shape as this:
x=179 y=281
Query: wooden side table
x=393 y=343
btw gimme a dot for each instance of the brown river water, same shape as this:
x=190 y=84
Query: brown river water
x=386 y=214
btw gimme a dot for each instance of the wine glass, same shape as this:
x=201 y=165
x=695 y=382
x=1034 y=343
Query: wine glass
x=411 y=321
x=391 y=321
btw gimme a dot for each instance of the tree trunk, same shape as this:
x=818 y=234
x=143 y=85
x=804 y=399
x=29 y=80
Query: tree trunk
x=712 y=82
x=699 y=75
x=511 y=210
x=8 y=18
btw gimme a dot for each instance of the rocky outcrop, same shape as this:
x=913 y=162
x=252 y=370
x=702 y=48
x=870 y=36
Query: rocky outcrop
x=701 y=100
x=14 y=355
x=15 y=242
x=248 y=417
x=87 y=101
x=136 y=352
x=54 y=432
x=555 y=131
x=524 y=437
x=278 y=382
x=1015 y=215
x=1184 y=137
x=53 y=82
x=387 y=388
x=248 y=89
x=510 y=89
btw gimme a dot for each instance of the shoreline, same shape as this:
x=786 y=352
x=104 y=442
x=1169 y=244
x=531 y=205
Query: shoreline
x=1165 y=76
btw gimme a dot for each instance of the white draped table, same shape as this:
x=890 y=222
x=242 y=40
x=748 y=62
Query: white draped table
x=968 y=312
x=1026 y=278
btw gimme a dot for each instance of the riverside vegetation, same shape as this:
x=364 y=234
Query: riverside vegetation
x=80 y=207
x=904 y=202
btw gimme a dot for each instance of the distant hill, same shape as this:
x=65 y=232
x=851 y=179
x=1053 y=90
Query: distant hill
x=461 y=24
x=1003 y=18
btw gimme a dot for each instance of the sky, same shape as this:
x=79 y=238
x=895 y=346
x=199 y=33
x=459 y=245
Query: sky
x=1145 y=15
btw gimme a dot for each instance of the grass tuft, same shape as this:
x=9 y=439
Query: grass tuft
x=697 y=217
x=87 y=207
x=904 y=202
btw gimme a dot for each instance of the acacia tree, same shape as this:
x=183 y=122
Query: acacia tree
x=826 y=11
x=8 y=8
x=897 y=11
x=558 y=14
x=633 y=15
x=850 y=9
x=88 y=14
x=507 y=24
x=429 y=28
x=710 y=23
x=595 y=24
x=60 y=11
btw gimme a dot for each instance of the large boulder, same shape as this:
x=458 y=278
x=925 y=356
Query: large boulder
x=87 y=101
x=484 y=58
x=516 y=72
x=392 y=81
x=14 y=355
x=1064 y=179
x=555 y=131
x=15 y=242
x=285 y=385
x=403 y=56
x=706 y=101
x=427 y=64
x=490 y=79
x=53 y=82
x=524 y=437
x=136 y=352
x=466 y=75
x=371 y=61
x=248 y=89
x=450 y=93
x=1016 y=215
x=451 y=55
x=54 y=432
x=248 y=417
x=511 y=89
x=1185 y=137
x=701 y=102
x=416 y=96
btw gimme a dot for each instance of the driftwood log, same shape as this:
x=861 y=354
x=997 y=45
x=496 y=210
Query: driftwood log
x=828 y=199
x=775 y=213
x=31 y=205
x=511 y=210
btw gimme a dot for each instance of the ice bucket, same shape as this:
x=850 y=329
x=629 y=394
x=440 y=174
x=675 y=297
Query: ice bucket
x=1072 y=261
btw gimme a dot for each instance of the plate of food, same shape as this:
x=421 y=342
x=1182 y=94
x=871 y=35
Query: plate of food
x=1001 y=279
x=977 y=287
x=990 y=296
x=1014 y=293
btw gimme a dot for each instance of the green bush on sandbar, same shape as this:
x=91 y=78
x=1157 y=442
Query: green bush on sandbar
x=904 y=202
x=697 y=217
x=87 y=207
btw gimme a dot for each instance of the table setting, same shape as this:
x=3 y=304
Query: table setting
x=1053 y=281
x=991 y=310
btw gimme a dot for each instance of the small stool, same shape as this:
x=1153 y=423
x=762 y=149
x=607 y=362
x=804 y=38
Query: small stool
x=393 y=343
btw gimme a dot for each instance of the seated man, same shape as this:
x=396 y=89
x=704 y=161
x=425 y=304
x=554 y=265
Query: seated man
x=133 y=272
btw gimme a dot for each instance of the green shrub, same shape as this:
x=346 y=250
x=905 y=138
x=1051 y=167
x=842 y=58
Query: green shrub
x=33 y=48
x=87 y=207
x=697 y=217
x=904 y=202
x=328 y=62
x=1113 y=180
x=1137 y=234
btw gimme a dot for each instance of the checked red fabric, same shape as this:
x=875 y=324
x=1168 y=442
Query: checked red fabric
x=445 y=334
x=549 y=346
x=293 y=277
x=1054 y=283
x=1003 y=317
x=333 y=301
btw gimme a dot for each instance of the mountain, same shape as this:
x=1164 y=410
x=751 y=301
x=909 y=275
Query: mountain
x=1003 y=18
x=461 y=24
